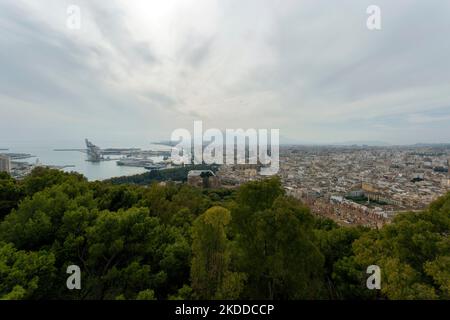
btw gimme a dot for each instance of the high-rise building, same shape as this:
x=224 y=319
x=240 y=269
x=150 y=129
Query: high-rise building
x=5 y=164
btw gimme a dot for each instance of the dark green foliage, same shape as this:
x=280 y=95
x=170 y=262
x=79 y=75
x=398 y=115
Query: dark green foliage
x=275 y=244
x=25 y=275
x=413 y=253
x=211 y=255
x=11 y=193
x=172 y=174
x=173 y=241
x=335 y=243
x=41 y=178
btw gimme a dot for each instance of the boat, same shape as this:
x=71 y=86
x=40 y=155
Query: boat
x=135 y=162
x=156 y=166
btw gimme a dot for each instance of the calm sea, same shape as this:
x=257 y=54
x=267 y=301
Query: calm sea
x=45 y=154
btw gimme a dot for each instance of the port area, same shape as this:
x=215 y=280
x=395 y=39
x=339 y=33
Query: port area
x=128 y=157
x=145 y=162
x=22 y=164
x=20 y=170
x=18 y=156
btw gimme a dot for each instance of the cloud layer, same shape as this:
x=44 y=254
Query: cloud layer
x=136 y=70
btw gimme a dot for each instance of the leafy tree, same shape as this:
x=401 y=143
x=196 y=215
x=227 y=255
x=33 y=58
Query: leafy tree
x=335 y=243
x=409 y=251
x=11 y=192
x=113 y=198
x=173 y=241
x=172 y=174
x=349 y=280
x=275 y=244
x=439 y=271
x=25 y=275
x=36 y=221
x=209 y=273
x=184 y=293
x=146 y=295
x=41 y=178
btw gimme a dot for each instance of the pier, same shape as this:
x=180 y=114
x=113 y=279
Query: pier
x=96 y=154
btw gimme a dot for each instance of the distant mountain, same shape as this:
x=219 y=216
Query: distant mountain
x=286 y=140
x=290 y=141
x=166 y=143
x=362 y=143
x=431 y=144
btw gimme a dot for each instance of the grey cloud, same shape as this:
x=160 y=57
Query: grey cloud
x=50 y=72
x=197 y=50
x=110 y=21
x=310 y=68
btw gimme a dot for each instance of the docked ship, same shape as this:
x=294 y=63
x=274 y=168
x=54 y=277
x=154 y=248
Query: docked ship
x=155 y=166
x=135 y=162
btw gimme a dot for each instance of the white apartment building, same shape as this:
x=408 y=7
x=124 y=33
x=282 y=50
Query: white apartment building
x=5 y=164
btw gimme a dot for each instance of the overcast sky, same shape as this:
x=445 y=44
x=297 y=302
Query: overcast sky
x=137 y=70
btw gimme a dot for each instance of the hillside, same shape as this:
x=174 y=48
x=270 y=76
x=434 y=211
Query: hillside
x=178 y=242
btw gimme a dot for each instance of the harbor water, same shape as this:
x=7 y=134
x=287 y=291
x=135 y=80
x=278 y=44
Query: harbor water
x=45 y=154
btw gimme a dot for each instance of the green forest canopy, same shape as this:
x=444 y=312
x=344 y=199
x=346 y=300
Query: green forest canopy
x=180 y=242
